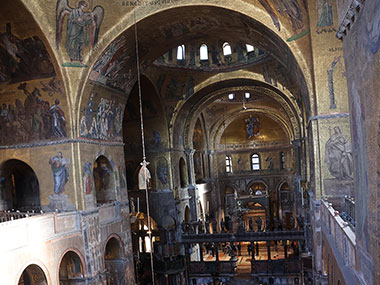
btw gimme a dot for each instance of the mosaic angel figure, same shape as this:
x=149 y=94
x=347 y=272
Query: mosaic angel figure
x=82 y=27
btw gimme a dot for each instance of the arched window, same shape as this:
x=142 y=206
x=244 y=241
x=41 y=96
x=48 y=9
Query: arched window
x=249 y=48
x=228 y=164
x=282 y=160
x=255 y=161
x=203 y=52
x=181 y=52
x=227 y=49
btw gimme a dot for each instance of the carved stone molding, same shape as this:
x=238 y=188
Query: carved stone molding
x=352 y=13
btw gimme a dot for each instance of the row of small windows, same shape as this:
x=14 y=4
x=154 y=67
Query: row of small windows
x=231 y=96
x=255 y=162
x=203 y=51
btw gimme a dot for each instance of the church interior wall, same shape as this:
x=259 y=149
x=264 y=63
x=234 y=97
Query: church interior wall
x=38 y=158
x=361 y=57
x=65 y=113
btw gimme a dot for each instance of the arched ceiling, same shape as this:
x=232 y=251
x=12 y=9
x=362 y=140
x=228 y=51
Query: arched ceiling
x=213 y=104
x=264 y=128
x=183 y=101
x=165 y=30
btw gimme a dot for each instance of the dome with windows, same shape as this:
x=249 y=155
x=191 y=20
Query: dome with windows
x=211 y=55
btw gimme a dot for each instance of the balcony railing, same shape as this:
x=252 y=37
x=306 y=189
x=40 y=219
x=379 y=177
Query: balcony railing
x=197 y=268
x=276 y=266
x=343 y=235
x=7 y=216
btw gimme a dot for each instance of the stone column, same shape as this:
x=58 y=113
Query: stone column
x=268 y=249
x=190 y=166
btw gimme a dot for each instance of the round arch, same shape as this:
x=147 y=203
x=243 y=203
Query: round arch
x=230 y=188
x=254 y=20
x=258 y=181
x=36 y=272
x=73 y=265
x=217 y=132
x=19 y=186
x=116 y=240
x=193 y=107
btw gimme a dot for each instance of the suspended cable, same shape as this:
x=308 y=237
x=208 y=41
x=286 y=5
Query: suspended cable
x=144 y=163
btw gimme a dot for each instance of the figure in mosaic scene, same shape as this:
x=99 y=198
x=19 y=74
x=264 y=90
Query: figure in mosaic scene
x=102 y=174
x=82 y=27
x=23 y=59
x=339 y=156
x=88 y=178
x=58 y=121
x=325 y=13
x=162 y=171
x=252 y=125
x=60 y=168
x=290 y=9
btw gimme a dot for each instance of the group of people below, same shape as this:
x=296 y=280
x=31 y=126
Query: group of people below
x=252 y=224
x=32 y=120
x=251 y=248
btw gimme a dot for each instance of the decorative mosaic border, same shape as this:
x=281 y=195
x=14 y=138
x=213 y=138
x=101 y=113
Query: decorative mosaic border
x=65 y=141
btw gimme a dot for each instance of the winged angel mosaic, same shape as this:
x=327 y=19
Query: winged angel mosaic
x=82 y=28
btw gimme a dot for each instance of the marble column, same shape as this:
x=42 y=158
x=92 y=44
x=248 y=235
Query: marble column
x=190 y=166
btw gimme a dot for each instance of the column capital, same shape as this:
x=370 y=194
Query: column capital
x=190 y=151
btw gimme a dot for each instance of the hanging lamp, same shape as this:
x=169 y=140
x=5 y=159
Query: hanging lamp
x=144 y=174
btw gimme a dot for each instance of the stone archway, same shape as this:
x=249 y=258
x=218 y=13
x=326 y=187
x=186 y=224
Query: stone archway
x=33 y=275
x=19 y=187
x=71 y=269
x=114 y=261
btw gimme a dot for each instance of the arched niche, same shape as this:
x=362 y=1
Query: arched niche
x=113 y=249
x=19 y=187
x=257 y=188
x=114 y=262
x=33 y=275
x=187 y=216
x=183 y=176
x=71 y=269
x=229 y=190
x=285 y=203
x=104 y=179
x=255 y=218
